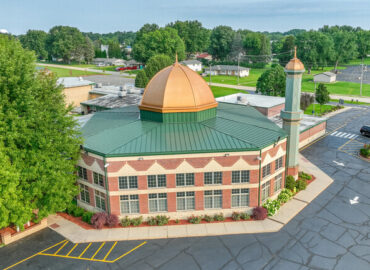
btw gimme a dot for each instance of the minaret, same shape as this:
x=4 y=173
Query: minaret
x=292 y=113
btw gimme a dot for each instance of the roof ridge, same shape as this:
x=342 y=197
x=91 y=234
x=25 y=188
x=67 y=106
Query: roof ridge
x=191 y=85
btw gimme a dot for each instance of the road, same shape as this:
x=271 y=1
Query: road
x=330 y=233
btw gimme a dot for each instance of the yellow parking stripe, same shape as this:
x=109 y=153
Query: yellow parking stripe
x=72 y=249
x=106 y=256
x=61 y=248
x=83 y=252
x=128 y=252
x=97 y=250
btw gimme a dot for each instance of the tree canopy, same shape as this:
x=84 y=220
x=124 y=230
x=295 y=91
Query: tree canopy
x=220 y=42
x=322 y=94
x=39 y=144
x=35 y=40
x=272 y=82
x=257 y=44
x=162 y=41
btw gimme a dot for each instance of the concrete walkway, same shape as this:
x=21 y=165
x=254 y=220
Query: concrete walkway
x=76 y=234
x=239 y=87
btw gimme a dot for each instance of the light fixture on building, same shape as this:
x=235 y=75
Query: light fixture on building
x=140 y=158
x=259 y=158
x=106 y=165
x=226 y=155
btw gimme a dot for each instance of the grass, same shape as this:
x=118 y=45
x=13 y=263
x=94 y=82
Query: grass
x=350 y=102
x=250 y=80
x=63 y=72
x=359 y=62
x=224 y=91
x=318 y=111
x=340 y=88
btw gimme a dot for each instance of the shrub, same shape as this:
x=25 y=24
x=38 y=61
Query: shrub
x=78 y=212
x=290 y=182
x=365 y=151
x=162 y=220
x=152 y=221
x=71 y=208
x=236 y=216
x=285 y=195
x=177 y=221
x=303 y=175
x=245 y=216
x=272 y=206
x=259 y=213
x=195 y=219
x=137 y=221
x=98 y=220
x=86 y=217
x=301 y=184
x=219 y=217
x=112 y=220
x=125 y=222
x=208 y=218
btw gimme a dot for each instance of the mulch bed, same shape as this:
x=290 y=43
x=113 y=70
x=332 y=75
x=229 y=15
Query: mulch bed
x=12 y=229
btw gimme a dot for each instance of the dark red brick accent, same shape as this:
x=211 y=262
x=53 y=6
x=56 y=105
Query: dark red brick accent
x=100 y=163
x=293 y=171
x=171 y=180
x=113 y=183
x=115 y=205
x=92 y=196
x=171 y=201
x=253 y=197
x=90 y=178
x=227 y=161
x=226 y=178
x=275 y=110
x=254 y=176
x=142 y=182
x=199 y=200
x=141 y=165
x=311 y=132
x=198 y=162
x=251 y=159
x=226 y=198
x=143 y=203
x=199 y=179
x=272 y=185
x=115 y=166
x=87 y=159
x=170 y=164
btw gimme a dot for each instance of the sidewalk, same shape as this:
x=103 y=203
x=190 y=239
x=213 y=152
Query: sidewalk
x=239 y=87
x=76 y=234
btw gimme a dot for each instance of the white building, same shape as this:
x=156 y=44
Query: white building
x=193 y=64
x=326 y=77
x=228 y=70
x=102 y=62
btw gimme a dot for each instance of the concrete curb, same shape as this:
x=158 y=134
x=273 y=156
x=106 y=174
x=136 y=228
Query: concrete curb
x=337 y=112
x=288 y=211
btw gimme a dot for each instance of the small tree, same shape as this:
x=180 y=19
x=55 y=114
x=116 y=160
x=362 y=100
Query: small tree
x=141 y=79
x=306 y=100
x=272 y=82
x=322 y=95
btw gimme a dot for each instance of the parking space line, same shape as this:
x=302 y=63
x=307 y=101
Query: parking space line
x=106 y=256
x=61 y=247
x=128 y=252
x=83 y=252
x=98 y=250
x=72 y=249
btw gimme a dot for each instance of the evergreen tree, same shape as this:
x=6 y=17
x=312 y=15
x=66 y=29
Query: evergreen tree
x=39 y=143
x=141 y=79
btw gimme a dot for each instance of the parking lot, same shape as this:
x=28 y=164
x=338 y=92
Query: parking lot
x=353 y=74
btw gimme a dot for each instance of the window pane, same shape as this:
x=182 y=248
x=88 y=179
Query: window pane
x=133 y=181
x=218 y=202
x=152 y=196
x=124 y=197
x=153 y=206
x=180 y=179
x=134 y=197
x=152 y=181
x=122 y=181
x=208 y=178
x=162 y=180
x=244 y=176
x=162 y=205
x=190 y=203
x=218 y=178
x=190 y=179
x=180 y=203
x=125 y=207
x=208 y=202
x=235 y=177
x=244 y=200
x=135 y=207
x=235 y=201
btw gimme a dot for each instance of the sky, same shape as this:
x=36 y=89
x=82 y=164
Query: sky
x=103 y=16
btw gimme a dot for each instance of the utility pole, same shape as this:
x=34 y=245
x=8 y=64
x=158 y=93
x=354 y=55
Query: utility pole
x=238 y=67
x=210 y=71
x=362 y=76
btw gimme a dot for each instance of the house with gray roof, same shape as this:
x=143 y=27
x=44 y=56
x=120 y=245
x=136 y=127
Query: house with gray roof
x=227 y=70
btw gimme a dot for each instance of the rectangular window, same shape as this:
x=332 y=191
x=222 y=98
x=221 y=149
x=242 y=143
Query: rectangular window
x=129 y=182
x=100 y=200
x=265 y=191
x=279 y=163
x=212 y=199
x=156 y=181
x=240 y=197
x=98 y=179
x=129 y=204
x=213 y=178
x=278 y=182
x=185 y=200
x=238 y=177
x=266 y=170
x=158 y=202
x=184 y=179
x=82 y=173
x=84 y=193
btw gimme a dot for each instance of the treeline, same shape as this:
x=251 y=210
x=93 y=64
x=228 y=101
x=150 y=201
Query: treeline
x=316 y=48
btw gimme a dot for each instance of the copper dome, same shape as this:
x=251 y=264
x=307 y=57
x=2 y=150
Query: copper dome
x=177 y=88
x=294 y=63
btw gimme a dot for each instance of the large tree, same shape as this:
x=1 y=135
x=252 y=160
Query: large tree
x=220 y=42
x=363 y=41
x=39 y=142
x=286 y=51
x=345 y=47
x=237 y=49
x=155 y=64
x=272 y=82
x=162 y=41
x=114 y=50
x=35 y=40
x=257 y=44
x=194 y=35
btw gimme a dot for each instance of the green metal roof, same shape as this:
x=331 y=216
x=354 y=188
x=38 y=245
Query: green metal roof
x=121 y=132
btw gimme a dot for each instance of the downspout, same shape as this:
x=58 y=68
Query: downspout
x=259 y=178
x=106 y=186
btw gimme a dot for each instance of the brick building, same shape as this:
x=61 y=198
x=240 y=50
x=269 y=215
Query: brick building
x=180 y=153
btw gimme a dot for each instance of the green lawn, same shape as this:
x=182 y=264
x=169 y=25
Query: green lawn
x=63 y=72
x=359 y=62
x=223 y=91
x=250 y=80
x=324 y=109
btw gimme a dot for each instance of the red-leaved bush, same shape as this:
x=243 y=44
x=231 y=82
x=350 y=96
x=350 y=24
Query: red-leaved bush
x=98 y=220
x=112 y=220
x=259 y=213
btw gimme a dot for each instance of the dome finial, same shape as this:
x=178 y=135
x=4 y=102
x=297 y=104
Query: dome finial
x=295 y=51
x=176 y=61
